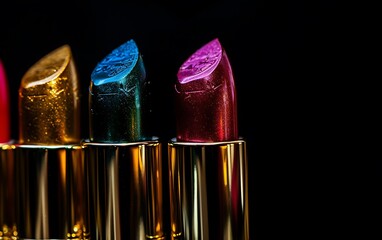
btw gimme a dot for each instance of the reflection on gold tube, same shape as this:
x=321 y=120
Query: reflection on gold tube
x=8 y=228
x=48 y=206
x=125 y=187
x=208 y=190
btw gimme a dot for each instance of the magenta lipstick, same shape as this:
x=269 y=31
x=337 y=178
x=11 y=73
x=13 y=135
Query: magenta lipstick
x=207 y=159
x=124 y=160
x=205 y=97
x=5 y=126
x=8 y=228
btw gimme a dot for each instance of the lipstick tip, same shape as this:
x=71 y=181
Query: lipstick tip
x=201 y=63
x=117 y=65
x=4 y=106
x=48 y=68
x=117 y=96
x=49 y=100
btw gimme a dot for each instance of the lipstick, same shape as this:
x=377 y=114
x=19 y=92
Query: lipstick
x=124 y=160
x=4 y=106
x=49 y=161
x=207 y=159
x=8 y=228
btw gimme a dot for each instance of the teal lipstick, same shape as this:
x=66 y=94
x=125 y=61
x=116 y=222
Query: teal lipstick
x=118 y=97
x=123 y=160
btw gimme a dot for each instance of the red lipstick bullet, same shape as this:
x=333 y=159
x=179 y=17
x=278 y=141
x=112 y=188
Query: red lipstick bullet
x=4 y=107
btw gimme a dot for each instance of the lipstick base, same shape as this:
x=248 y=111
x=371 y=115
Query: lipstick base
x=125 y=188
x=208 y=190
x=8 y=227
x=50 y=192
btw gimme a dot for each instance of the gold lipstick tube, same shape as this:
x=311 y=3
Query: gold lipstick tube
x=8 y=228
x=125 y=189
x=208 y=190
x=51 y=197
x=51 y=192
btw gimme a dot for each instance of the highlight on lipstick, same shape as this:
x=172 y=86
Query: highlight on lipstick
x=205 y=98
x=118 y=95
x=4 y=106
x=49 y=101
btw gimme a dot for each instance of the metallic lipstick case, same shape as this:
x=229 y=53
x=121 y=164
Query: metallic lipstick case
x=8 y=227
x=51 y=192
x=208 y=190
x=125 y=189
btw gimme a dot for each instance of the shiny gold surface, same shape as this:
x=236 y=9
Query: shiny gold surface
x=8 y=228
x=51 y=192
x=49 y=101
x=8 y=233
x=125 y=187
x=208 y=191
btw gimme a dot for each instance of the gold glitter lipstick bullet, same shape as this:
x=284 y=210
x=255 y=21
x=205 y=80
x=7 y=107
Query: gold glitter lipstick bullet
x=50 y=173
x=49 y=101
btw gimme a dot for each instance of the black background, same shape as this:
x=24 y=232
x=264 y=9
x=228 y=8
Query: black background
x=286 y=57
